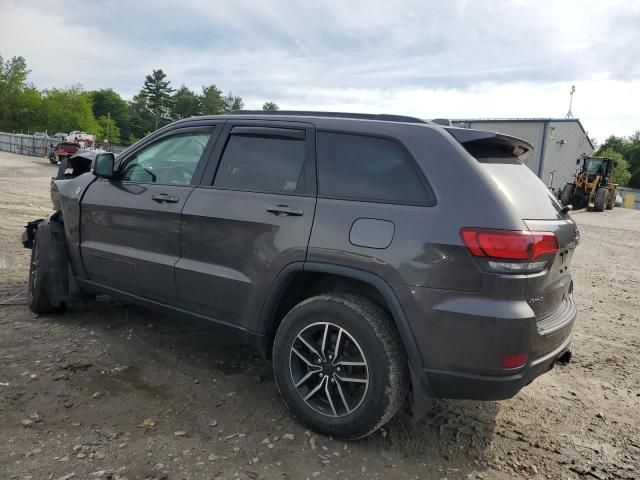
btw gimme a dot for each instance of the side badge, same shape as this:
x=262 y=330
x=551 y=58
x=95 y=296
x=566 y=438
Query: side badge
x=78 y=190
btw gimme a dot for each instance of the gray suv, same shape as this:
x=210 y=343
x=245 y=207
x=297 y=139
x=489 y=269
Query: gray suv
x=375 y=257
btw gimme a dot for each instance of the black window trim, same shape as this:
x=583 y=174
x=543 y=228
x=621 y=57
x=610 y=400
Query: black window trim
x=269 y=132
x=214 y=131
x=260 y=129
x=429 y=194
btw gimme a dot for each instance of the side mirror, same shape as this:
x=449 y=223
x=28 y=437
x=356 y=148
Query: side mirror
x=103 y=165
x=578 y=162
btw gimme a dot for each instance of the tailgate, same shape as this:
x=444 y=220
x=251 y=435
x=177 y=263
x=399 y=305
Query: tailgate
x=549 y=292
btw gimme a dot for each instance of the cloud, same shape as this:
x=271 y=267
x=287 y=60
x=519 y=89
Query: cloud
x=609 y=106
x=486 y=58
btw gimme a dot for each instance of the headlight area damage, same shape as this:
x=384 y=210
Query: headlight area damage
x=76 y=165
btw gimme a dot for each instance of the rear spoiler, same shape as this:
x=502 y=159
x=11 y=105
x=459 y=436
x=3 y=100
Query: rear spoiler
x=478 y=141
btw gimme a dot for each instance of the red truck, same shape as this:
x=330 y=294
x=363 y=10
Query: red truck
x=64 y=149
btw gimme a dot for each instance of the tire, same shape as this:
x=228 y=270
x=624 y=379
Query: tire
x=39 y=270
x=611 y=199
x=578 y=201
x=600 y=202
x=366 y=336
x=567 y=192
x=52 y=160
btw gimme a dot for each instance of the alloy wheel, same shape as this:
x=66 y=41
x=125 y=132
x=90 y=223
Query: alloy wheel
x=329 y=369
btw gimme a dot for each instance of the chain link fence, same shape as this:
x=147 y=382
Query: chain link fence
x=31 y=145
x=39 y=145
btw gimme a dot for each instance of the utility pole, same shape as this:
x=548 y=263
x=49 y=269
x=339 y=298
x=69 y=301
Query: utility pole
x=108 y=125
x=573 y=90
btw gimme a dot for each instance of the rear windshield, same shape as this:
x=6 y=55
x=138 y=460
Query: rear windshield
x=526 y=192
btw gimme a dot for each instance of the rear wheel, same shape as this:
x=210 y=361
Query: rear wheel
x=340 y=366
x=600 y=201
x=567 y=192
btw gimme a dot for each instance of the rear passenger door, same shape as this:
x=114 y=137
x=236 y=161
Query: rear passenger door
x=250 y=217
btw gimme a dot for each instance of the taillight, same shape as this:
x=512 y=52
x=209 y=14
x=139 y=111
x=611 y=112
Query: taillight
x=511 y=251
x=543 y=243
x=510 y=362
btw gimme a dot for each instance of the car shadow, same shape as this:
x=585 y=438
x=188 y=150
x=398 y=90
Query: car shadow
x=455 y=433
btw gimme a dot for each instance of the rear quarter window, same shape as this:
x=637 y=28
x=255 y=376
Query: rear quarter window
x=366 y=168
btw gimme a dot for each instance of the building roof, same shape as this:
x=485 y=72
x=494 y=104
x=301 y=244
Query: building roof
x=545 y=120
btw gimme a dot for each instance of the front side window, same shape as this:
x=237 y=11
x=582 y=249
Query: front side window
x=169 y=161
x=260 y=163
x=366 y=168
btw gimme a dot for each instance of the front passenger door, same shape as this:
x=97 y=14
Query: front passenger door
x=130 y=227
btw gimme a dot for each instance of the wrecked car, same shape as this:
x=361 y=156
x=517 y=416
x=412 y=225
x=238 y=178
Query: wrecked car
x=340 y=245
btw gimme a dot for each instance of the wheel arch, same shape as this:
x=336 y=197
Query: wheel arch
x=286 y=292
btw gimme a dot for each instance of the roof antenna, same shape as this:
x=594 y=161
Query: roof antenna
x=573 y=90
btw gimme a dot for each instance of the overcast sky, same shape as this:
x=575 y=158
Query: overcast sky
x=453 y=59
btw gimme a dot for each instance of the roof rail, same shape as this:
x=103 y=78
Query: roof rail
x=360 y=116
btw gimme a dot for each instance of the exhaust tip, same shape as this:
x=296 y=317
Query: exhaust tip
x=565 y=358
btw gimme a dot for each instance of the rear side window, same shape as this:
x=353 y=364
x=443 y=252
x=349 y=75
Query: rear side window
x=366 y=168
x=262 y=164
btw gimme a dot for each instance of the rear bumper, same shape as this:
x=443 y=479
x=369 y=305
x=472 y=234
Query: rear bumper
x=462 y=338
x=447 y=384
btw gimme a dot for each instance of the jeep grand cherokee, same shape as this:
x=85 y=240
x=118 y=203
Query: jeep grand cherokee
x=371 y=255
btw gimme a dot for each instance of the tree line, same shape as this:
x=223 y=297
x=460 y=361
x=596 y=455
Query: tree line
x=104 y=113
x=626 y=153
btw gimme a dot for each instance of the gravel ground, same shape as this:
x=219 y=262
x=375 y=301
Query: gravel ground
x=113 y=391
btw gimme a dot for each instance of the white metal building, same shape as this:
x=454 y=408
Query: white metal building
x=558 y=143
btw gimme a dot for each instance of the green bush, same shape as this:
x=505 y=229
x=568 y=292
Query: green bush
x=621 y=173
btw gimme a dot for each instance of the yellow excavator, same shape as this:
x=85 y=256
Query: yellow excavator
x=592 y=185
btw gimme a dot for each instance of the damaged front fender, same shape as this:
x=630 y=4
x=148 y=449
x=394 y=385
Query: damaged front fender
x=30 y=232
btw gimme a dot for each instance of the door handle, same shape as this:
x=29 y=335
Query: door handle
x=285 y=210
x=164 y=197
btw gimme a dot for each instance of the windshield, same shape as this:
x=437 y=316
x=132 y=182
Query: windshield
x=594 y=166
